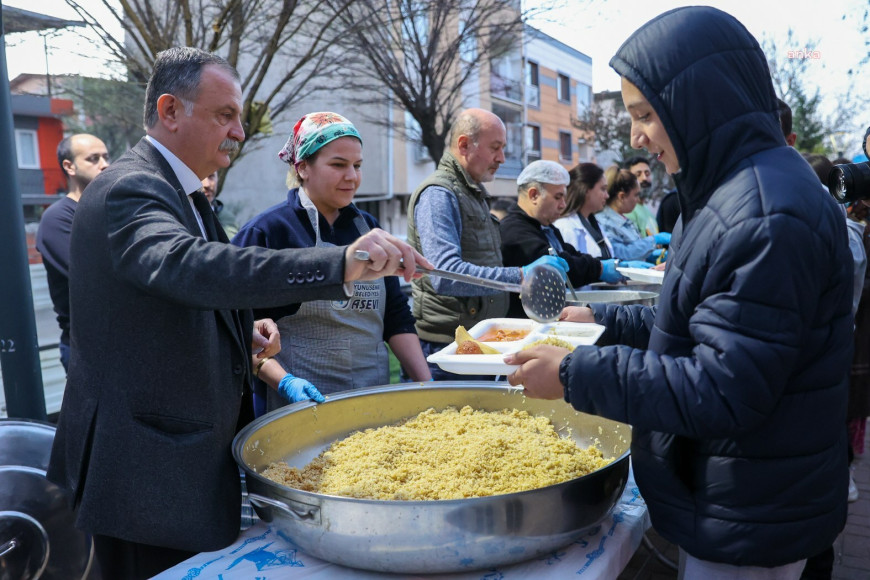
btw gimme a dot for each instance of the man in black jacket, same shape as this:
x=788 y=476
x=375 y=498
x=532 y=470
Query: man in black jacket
x=526 y=232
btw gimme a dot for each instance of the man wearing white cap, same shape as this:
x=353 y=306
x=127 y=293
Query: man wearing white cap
x=526 y=233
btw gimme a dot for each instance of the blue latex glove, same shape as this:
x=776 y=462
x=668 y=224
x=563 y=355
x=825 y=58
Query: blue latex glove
x=295 y=389
x=555 y=261
x=662 y=239
x=634 y=264
x=609 y=273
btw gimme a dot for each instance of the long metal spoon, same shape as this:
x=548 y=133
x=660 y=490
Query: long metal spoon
x=552 y=252
x=542 y=292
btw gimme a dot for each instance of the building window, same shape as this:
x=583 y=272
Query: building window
x=415 y=25
x=563 y=88
x=533 y=143
x=533 y=85
x=532 y=74
x=467 y=42
x=513 y=122
x=28 y=149
x=584 y=98
x=506 y=76
x=565 y=150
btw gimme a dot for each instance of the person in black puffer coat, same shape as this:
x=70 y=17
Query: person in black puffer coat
x=736 y=382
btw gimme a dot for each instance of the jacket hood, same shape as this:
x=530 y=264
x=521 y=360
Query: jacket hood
x=707 y=79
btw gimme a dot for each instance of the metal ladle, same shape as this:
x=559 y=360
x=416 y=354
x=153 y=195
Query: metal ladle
x=542 y=291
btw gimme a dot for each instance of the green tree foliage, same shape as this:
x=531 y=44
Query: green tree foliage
x=806 y=122
x=788 y=70
x=607 y=119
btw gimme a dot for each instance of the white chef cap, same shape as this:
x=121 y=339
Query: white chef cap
x=543 y=171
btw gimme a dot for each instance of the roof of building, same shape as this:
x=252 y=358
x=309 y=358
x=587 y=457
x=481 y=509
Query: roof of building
x=539 y=35
x=18 y=20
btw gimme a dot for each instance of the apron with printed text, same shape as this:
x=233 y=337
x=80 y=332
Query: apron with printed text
x=336 y=344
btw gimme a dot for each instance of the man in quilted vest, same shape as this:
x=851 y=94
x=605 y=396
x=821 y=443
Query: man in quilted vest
x=449 y=223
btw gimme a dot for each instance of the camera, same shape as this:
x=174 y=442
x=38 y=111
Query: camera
x=850 y=182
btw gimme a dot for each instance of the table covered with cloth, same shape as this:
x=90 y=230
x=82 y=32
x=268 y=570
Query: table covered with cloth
x=264 y=553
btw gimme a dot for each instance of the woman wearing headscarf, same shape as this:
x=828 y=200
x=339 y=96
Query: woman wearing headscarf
x=735 y=384
x=336 y=345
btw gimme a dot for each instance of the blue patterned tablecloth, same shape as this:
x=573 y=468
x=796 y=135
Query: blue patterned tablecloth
x=262 y=553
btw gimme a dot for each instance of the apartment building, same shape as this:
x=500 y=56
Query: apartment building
x=38 y=127
x=538 y=89
x=558 y=87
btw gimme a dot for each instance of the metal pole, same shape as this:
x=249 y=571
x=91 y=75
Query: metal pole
x=19 y=348
x=47 y=72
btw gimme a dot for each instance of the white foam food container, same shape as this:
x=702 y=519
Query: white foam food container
x=646 y=275
x=576 y=333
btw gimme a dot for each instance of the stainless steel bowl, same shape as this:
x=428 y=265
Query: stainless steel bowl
x=626 y=296
x=425 y=536
x=629 y=285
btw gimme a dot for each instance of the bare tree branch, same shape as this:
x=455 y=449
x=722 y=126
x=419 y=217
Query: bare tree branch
x=421 y=55
x=608 y=123
x=278 y=46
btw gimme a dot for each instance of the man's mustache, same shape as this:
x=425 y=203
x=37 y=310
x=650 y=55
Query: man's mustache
x=229 y=146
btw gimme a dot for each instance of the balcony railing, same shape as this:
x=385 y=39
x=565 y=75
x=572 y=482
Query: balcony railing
x=504 y=88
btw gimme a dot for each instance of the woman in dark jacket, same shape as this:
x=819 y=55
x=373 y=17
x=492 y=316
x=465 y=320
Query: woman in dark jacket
x=736 y=383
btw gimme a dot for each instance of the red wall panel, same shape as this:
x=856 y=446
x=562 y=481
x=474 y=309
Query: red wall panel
x=49 y=134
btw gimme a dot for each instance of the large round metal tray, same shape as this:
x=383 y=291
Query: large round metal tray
x=626 y=296
x=425 y=536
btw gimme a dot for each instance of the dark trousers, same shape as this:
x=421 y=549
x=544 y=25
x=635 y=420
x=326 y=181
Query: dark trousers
x=123 y=560
x=820 y=566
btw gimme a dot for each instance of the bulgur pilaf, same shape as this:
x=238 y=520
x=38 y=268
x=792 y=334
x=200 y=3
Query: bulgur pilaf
x=451 y=454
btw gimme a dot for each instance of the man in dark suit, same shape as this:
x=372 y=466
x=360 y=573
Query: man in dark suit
x=159 y=377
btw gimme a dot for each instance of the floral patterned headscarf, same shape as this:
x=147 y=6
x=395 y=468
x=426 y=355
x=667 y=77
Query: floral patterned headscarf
x=312 y=132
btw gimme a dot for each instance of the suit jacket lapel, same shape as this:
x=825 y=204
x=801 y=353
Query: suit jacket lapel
x=153 y=157
x=150 y=154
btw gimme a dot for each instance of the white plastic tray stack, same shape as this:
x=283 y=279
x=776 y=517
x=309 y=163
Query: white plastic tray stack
x=648 y=276
x=576 y=333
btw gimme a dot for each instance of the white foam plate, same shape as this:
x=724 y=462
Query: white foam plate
x=648 y=276
x=576 y=333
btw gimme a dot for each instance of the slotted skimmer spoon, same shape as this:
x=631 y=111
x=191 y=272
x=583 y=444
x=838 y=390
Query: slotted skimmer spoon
x=542 y=292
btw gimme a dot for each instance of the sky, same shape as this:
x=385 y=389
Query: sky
x=68 y=52
x=601 y=26
x=594 y=27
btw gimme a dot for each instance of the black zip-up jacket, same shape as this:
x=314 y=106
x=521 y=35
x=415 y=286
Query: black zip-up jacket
x=736 y=383
x=523 y=241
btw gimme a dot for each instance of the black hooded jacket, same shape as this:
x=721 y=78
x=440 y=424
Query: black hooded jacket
x=736 y=383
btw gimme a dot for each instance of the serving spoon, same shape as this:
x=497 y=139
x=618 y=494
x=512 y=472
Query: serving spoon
x=542 y=291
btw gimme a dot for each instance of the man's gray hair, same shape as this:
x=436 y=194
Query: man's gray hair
x=177 y=72
x=468 y=124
